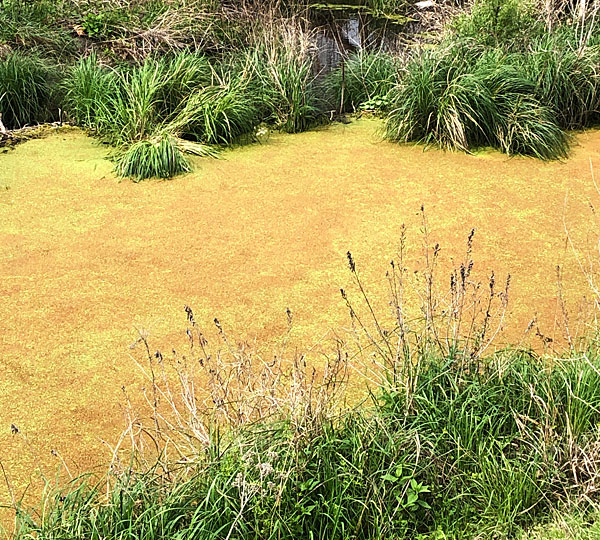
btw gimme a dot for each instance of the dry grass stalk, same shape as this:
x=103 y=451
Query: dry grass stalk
x=460 y=322
x=192 y=396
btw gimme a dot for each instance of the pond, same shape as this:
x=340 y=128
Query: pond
x=87 y=259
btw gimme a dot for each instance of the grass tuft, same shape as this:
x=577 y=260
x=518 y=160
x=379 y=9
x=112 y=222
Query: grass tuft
x=461 y=97
x=26 y=90
x=566 y=78
x=157 y=157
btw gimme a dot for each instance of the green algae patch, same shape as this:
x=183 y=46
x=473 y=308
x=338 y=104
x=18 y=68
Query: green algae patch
x=87 y=260
x=49 y=152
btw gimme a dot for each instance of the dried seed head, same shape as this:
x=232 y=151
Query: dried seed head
x=351 y=263
x=265 y=468
x=190 y=315
x=238 y=481
x=470 y=238
x=530 y=325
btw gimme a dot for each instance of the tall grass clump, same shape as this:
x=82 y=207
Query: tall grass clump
x=280 y=64
x=566 y=78
x=219 y=113
x=27 y=90
x=523 y=124
x=188 y=72
x=438 y=100
x=461 y=97
x=89 y=93
x=140 y=103
x=364 y=81
x=145 y=110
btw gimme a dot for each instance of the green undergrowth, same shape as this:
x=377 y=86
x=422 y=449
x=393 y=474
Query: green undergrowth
x=141 y=109
x=39 y=26
x=567 y=524
x=210 y=73
x=500 y=23
x=450 y=441
x=203 y=100
x=482 y=450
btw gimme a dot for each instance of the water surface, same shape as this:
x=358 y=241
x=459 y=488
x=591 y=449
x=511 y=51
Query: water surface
x=86 y=259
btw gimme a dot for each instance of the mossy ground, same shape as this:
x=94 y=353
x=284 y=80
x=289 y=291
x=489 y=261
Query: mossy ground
x=86 y=259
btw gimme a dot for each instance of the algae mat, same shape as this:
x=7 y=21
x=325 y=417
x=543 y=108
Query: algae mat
x=85 y=259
